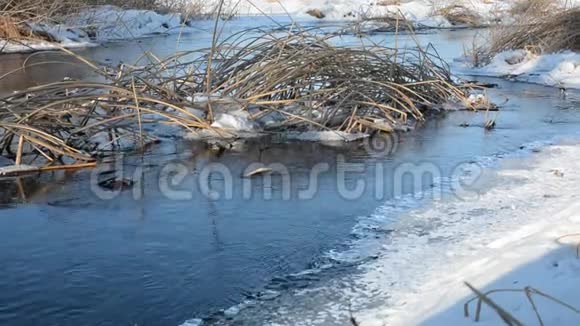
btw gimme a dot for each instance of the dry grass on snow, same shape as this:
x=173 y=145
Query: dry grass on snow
x=538 y=32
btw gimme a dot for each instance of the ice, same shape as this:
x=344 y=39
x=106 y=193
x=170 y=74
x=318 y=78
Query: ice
x=488 y=245
x=237 y=120
x=12 y=170
x=325 y=136
x=504 y=237
x=193 y=322
x=103 y=23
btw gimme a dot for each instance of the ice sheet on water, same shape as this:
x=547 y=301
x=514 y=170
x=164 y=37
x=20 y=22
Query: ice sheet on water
x=328 y=136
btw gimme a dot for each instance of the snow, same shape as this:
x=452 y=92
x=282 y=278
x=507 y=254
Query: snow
x=100 y=24
x=507 y=238
x=558 y=69
x=421 y=12
x=113 y=23
x=236 y=120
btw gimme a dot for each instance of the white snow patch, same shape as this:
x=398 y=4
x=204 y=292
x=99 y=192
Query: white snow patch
x=236 y=120
x=100 y=24
x=507 y=238
x=559 y=69
x=193 y=322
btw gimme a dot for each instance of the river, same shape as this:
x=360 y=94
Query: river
x=153 y=256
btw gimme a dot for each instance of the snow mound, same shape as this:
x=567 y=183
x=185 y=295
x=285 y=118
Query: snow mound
x=113 y=23
x=99 y=24
x=558 y=70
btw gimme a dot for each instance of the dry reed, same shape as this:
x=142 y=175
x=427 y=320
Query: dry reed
x=304 y=78
x=460 y=15
x=508 y=318
x=539 y=32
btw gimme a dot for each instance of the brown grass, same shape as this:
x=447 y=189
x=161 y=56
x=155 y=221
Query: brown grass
x=460 y=15
x=537 y=32
x=9 y=29
x=17 y=15
x=528 y=7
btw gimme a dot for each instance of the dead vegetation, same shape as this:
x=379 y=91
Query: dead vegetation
x=532 y=7
x=317 y=85
x=280 y=81
x=17 y=17
x=460 y=15
x=538 y=32
x=529 y=292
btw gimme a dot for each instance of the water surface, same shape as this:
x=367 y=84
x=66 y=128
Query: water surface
x=71 y=257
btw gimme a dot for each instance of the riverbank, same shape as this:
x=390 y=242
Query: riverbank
x=560 y=70
x=528 y=237
x=94 y=26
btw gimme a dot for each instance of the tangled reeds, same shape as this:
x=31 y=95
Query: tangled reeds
x=537 y=31
x=308 y=79
x=275 y=81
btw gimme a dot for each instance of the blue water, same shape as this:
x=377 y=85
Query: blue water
x=69 y=257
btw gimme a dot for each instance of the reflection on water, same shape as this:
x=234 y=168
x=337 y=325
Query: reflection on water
x=70 y=257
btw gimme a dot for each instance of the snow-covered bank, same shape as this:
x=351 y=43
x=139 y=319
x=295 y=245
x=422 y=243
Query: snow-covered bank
x=100 y=24
x=421 y=12
x=558 y=70
x=505 y=239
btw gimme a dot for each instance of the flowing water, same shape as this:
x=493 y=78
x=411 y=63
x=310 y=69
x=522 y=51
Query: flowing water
x=167 y=251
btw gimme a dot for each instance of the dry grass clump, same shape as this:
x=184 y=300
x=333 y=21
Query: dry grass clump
x=535 y=7
x=27 y=11
x=71 y=121
x=317 y=85
x=539 y=33
x=9 y=29
x=17 y=15
x=460 y=15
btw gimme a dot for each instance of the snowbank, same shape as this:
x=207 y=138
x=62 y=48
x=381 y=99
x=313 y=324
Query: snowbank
x=559 y=70
x=507 y=238
x=100 y=24
x=108 y=23
x=420 y=12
